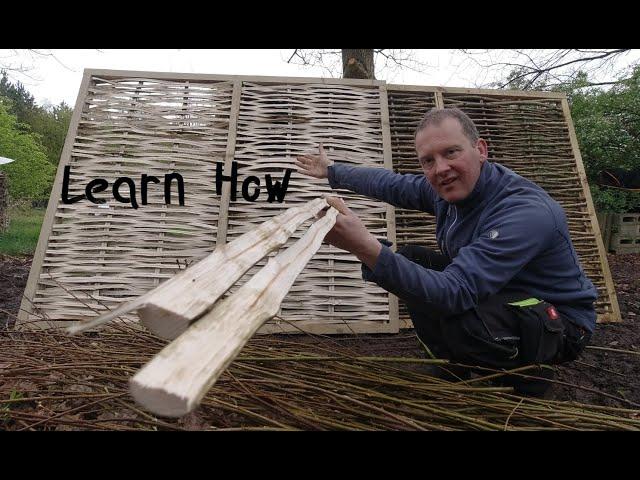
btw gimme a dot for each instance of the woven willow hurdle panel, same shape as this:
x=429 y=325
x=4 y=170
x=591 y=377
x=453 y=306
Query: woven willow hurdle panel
x=91 y=257
x=531 y=134
x=405 y=111
x=113 y=252
x=128 y=123
x=278 y=122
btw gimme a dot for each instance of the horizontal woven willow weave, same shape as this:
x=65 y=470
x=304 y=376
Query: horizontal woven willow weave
x=91 y=257
x=528 y=135
x=100 y=255
x=275 y=124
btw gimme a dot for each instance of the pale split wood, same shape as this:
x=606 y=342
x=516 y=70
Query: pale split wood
x=394 y=315
x=225 y=198
x=206 y=77
x=616 y=316
x=168 y=309
x=438 y=99
x=176 y=379
x=476 y=91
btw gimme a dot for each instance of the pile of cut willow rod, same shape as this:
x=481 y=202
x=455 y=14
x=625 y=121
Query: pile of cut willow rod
x=50 y=381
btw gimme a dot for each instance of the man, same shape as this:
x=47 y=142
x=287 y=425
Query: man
x=508 y=289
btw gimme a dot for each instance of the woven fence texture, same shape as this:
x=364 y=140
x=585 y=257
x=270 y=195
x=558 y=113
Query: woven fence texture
x=278 y=122
x=100 y=255
x=528 y=135
x=97 y=256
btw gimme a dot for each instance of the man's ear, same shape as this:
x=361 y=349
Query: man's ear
x=483 y=149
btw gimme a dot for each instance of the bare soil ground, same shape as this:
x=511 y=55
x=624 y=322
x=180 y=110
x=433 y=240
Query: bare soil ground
x=597 y=371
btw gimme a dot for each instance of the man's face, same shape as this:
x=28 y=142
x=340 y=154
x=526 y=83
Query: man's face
x=449 y=160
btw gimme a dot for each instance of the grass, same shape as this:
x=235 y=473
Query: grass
x=21 y=237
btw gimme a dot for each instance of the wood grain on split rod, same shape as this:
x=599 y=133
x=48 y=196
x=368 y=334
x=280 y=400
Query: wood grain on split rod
x=175 y=380
x=168 y=309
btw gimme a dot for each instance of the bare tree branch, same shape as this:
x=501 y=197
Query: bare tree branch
x=13 y=61
x=292 y=55
x=51 y=55
x=526 y=69
x=386 y=60
x=328 y=60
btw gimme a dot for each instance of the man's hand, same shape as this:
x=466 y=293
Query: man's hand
x=316 y=166
x=350 y=234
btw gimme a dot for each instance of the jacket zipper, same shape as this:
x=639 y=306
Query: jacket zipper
x=446 y=237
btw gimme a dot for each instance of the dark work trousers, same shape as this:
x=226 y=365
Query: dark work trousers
x=496 y=333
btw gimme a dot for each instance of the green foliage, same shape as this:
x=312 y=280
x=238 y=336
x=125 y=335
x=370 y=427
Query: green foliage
x=607 y=124
x=49 y=124
x=21 y=102
x=614 y=200
x=21 y=238
x=518 y=79
x=31 y=176
x=5 y=407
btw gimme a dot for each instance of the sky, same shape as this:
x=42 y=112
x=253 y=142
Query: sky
x=54 y=75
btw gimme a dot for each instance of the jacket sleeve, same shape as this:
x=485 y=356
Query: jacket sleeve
x=508 y=240
x=401 y=190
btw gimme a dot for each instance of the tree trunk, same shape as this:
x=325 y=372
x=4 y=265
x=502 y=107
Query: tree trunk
x=358 y=63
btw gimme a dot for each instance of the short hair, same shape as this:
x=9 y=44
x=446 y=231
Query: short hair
x=435 y=116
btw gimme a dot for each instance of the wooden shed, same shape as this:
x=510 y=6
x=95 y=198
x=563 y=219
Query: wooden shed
x=125 y=124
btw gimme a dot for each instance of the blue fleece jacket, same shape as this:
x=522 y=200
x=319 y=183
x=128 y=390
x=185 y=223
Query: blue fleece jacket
x=508 y=234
